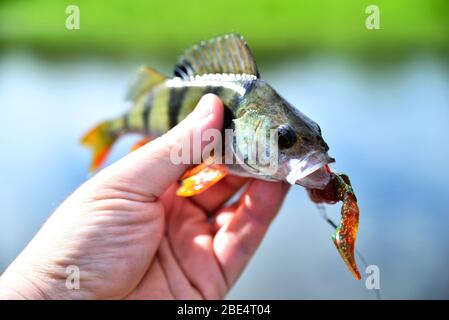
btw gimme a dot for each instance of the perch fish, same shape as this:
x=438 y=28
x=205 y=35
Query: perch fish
x=225 y=67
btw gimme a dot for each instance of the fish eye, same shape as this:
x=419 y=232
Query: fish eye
x=286 y=137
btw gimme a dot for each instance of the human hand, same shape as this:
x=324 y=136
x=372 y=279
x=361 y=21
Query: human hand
x=132 y=237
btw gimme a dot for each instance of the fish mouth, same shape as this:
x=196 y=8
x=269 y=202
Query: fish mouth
x=310 y=171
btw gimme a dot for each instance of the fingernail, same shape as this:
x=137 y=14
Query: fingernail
x=204 y=108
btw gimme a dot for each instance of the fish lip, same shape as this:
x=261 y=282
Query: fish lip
x=305 y=166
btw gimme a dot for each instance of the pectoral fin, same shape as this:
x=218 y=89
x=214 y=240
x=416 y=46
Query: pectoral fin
x=200 y=178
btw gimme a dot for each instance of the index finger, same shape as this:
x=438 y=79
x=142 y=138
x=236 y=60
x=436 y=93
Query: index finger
x=235 y=243
x=212 y=199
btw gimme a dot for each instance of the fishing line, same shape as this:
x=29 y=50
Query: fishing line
x=322 y=210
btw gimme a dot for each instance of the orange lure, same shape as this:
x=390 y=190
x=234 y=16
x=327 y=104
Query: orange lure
x=340 y=189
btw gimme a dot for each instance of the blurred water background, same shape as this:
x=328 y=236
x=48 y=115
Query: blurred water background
x=381 y=99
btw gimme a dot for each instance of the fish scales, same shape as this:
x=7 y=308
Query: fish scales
x=170 y=102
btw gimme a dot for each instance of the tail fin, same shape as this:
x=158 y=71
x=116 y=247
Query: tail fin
x=100 y=139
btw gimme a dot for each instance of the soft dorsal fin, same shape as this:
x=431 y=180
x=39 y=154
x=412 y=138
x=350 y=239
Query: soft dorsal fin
x=225 y=54
x=146 y=79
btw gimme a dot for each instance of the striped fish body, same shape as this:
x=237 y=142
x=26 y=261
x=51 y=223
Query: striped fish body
x=169 y=102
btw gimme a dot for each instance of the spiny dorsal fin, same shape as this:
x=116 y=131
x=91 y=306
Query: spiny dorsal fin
x=225 y=54
x=146 y=79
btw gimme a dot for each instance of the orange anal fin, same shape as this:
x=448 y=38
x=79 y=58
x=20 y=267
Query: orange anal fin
x=140 y=143
x=200 y=178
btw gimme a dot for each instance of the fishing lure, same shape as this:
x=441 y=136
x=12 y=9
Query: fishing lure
x=225 y=67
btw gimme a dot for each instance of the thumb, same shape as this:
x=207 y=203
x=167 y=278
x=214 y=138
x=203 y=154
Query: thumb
x=150 y=170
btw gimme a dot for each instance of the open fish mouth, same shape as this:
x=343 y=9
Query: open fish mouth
x=310 y=171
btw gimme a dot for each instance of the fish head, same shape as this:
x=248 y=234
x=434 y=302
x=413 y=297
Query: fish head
x=297 y=152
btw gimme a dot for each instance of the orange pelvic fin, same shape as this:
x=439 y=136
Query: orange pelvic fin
x=200 y=178
x=100 y=140
x=140 y=143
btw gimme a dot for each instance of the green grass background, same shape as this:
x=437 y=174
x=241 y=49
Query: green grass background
x=159 y=27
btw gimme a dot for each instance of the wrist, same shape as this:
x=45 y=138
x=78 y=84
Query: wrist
x=14 y=286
